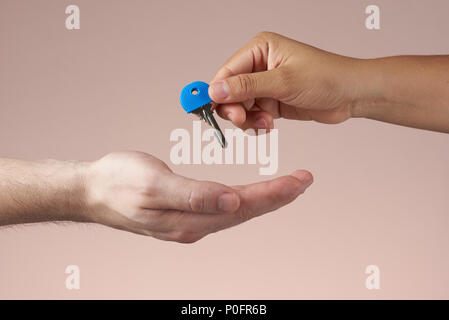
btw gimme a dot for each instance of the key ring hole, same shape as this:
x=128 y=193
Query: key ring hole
x=195 y=91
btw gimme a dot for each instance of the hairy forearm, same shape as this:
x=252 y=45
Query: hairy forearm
x=406 y=90
x=37 y=191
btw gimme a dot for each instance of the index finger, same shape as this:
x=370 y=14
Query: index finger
x=250 y=58
x=247 y=59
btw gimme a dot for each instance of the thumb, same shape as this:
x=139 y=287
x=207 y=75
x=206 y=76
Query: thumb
x=242 y=87
x=181 y=193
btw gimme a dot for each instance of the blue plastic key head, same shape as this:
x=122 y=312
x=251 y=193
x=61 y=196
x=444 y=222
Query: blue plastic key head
x=195 y=95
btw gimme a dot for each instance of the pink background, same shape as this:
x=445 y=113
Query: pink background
x=381 y=192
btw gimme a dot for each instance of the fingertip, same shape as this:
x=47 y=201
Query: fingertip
x=232 y=112
x=304 y=176
x=260 y=120
x=264 y=122
x=210 y=91
x=260 y=123
x=238 y=119
x=218 y=91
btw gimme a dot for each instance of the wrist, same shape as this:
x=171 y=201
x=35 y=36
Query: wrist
x=66 y=185
x=369 y=88
x=40 y=191
x=77 y=201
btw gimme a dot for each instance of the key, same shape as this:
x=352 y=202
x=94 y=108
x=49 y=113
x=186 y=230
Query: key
x=195 y=99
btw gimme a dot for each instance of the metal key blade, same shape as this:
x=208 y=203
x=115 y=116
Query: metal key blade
x=207 y=114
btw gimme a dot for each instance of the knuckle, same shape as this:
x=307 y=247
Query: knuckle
x=264 y=35
x=151 y=181
x=149 y=188
x=285 y=78
x=246 y=83
x=196 y=201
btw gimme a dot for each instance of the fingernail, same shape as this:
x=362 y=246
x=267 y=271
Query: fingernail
x=260 y=123
x=228 y=202
x=220 y=90
x=229 y=116
x=305 y=177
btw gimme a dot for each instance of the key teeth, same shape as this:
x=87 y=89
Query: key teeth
x=207 y=115
x=225 y=144
x=218 y=133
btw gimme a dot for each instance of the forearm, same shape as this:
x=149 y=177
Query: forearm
x=407 y=90
x=38 y=191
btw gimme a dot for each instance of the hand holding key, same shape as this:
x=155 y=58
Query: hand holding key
x=277 y=77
